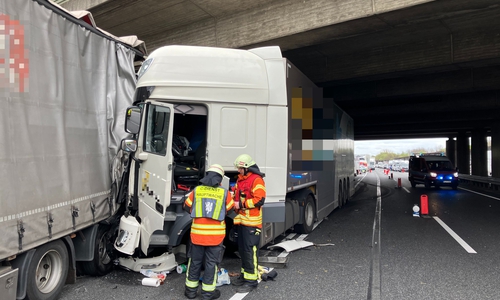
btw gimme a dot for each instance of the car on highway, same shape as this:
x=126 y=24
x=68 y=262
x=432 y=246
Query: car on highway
x=432 y=170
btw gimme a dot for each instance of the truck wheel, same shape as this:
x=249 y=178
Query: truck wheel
x=102 y=263
x=47 y=271
x=348 y=191
x=341 y=197
x=345 y=193
x=413 y=184
x=309 y=216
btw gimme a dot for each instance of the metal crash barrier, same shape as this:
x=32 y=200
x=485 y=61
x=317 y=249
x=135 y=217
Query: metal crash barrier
x=480 y=181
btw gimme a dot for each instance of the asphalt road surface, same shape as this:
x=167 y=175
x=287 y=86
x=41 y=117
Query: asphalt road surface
x=372 y=248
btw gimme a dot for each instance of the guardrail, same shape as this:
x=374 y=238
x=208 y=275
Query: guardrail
x=480 y=181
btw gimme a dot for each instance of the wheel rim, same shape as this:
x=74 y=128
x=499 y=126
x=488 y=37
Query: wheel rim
x=48 y=271
x=309 y=214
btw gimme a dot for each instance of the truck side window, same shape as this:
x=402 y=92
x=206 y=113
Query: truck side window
x=157 y=123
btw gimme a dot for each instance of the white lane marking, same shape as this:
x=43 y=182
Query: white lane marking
x=359 y=181
x=455 y=236
x=374 y=285
x=238 y=296
x=492 y=197
x=406 y=190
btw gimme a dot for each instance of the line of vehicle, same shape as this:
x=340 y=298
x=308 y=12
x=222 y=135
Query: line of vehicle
x=492 y=197
x=374 y=286
x=455 y=236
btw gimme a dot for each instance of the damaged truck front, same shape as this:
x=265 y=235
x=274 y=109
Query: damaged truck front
x=64 y=90
x=226 y=102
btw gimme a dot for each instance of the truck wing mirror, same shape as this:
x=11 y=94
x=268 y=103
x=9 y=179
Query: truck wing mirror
x=133 y=120
x=129 y=145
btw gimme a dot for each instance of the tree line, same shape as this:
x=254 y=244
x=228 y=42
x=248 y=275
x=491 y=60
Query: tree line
x=387 y=155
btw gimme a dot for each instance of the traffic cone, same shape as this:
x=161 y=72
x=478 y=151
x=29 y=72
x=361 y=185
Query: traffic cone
x=424 y=203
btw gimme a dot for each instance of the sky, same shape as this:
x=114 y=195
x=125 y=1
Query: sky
x=397 y=146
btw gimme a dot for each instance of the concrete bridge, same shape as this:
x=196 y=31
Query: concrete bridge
x=400 y=68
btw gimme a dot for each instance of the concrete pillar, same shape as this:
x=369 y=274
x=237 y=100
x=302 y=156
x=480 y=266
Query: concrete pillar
x=451 y=150
x=463 y=155
x=495 y=150
x=479 y=154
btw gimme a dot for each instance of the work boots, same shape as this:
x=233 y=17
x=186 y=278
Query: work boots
x=191 y=293
x=238 y=281
x=247 y=286
x=210 y=295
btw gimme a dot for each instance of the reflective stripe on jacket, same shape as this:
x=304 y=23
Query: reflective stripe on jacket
x=207 y=231
x=254 y=189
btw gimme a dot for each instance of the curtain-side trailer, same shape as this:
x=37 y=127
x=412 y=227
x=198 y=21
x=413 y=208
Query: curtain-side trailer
x=64 y=88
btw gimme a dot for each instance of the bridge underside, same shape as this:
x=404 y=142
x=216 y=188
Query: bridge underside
x=400 y=68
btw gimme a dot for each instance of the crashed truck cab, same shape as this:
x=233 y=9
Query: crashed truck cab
x=149 y=188
x=200 y=94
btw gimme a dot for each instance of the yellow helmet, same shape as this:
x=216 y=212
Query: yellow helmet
x=217 y=169
x=244 y=161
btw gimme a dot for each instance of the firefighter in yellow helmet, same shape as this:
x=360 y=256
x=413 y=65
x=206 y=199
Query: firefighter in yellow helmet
x=249 y=196
x=208 y=204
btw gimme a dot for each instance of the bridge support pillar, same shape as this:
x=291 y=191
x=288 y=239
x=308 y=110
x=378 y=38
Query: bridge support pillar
x=463 y=155
x=451 y=150
x=479 y=152
x=495 y=150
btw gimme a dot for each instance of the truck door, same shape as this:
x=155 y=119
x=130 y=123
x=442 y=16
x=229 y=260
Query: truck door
x=155 y=174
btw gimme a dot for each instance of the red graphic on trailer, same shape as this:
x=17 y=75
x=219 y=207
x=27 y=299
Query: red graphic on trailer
x=14 y=64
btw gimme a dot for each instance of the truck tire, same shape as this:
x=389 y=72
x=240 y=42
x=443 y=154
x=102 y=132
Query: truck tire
x=348 y=191
x=412 y=182
x=102 y=263
x=309 y=216
x=345 y=193
x=341 y=195
x=47 y=271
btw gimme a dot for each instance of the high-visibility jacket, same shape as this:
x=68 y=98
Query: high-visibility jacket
x=253 y=187
x=208 y=206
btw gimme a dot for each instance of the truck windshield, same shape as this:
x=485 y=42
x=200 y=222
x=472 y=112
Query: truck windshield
x=441 y=166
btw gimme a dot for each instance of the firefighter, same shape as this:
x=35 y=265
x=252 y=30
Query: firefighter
x=249 y=194
x=208 y=205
